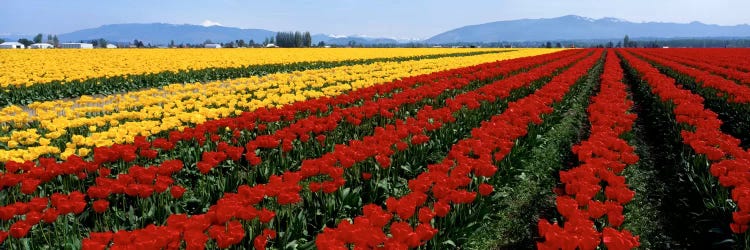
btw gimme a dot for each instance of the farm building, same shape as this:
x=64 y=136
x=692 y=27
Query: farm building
x=41 y=46
x=213 y=45
x=12 y=45
x=271 y=45
x=76 y=46
x=111 y=46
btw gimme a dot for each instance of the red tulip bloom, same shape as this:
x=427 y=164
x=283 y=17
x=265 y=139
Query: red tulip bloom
x=195 y=240
x=261 y=240
x=485 y=189
x=266 y=216
x=88 y=244
x=149 y=153
x=100 y=206
x=176 y=191
x=33 y=217
x=28 y=186
x=50 y=215
x=19 y=229
x=366 y=176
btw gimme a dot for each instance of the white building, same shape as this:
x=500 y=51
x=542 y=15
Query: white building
x=271 y=45
x=212 y=46
x=12 y=45
x=76 y=46
x=41 y=46
x=111 y=46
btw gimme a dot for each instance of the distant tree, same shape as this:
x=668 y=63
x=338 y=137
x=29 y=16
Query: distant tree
x=102 y=43
x=266 y=42
x=558 y=45
x=282 y=39
x=94 y=42
x=271 y=40
x=2 y=40
x=251 y=43
x=171 y=43
x=609 y=44
x=25 y=42
x=207 y=41
x=241 y=43
x=55 y=41
x=49 y=38
x=138 y=44
x=307 y=39
x=626 y=41
x=321 y=44
x=38 y=38
x=352 y=43
x=548 y=45
x=297 y=39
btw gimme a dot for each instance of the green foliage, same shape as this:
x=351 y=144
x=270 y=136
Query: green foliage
x=25 y=42
x=293 y=39
x=38 y=38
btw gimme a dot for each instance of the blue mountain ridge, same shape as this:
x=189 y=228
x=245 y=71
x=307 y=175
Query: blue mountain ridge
x=574 y=27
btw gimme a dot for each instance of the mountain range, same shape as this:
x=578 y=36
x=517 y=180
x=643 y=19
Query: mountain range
x=162 y=33
x=573 y=27
x=569 y=27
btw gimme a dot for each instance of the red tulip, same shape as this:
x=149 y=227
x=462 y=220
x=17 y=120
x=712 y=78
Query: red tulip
x=485 y=189
x=19 y=229
x=100 y=206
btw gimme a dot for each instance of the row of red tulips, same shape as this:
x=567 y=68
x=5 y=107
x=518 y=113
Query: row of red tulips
x=729 y=162
x=736 y=93
x=603 y=156
x=705 y=64
x=728 y=58
x=286 y=188
x=454 y=181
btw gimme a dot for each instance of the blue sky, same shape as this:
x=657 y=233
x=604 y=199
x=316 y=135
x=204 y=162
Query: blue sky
x=384 y=18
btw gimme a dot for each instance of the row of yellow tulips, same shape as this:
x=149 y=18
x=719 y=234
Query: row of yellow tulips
x=28 y=67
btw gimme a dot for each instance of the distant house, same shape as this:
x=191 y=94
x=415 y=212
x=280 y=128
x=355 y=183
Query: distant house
x=41 y=46
x=271 y=45
x=12 y=45
x=76 y=46
x=111 y=46
x=212 y=46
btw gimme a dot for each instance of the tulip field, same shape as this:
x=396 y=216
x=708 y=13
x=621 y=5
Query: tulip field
x=375 y=149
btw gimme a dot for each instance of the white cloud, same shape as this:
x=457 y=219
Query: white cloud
x=210 y=23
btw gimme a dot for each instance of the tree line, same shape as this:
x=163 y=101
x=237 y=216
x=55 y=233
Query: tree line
x=293 y=39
